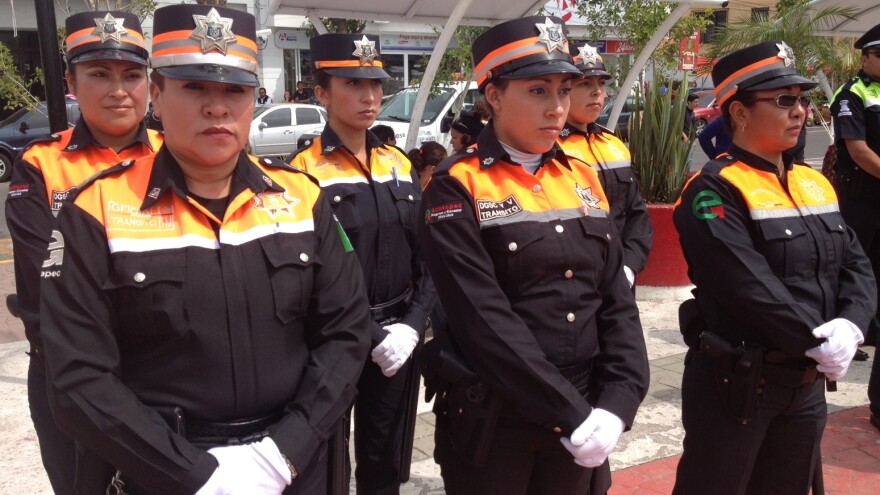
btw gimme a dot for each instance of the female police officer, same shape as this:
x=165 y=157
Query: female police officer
x=783 y=290
x=107 y=71
x=202 y=298
x=526 y=261
x=376 y=195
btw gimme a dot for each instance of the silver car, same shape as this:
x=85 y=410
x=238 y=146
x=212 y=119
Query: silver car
x=276 y=128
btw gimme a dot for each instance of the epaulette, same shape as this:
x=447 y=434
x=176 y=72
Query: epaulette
x=293 y=155
x=455 y=158
x=51 y=138
x=276 y=163
x=107 y=172
x=604 y=129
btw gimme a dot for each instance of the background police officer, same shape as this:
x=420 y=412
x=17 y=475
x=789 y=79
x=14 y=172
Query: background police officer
x=107 y=61
x=856 y=112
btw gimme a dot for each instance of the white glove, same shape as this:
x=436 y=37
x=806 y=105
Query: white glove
x=256 y=468
x=842 y=339
x=396 y=348
x=630 y=275
x=595 y=438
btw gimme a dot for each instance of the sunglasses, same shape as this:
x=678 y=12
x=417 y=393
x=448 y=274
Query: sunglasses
x=787 y=101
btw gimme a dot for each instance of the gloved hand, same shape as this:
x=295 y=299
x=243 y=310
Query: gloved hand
x=255 y=468
x=842 y=339
x=395 y=349
x=630 y=275
x=595 y=438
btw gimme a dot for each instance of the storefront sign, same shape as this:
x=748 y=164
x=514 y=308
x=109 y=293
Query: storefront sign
x=409 y=42
x=291 y=39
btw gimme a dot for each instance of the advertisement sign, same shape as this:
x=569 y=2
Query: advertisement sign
x=688 y=51
x=408 y=42
x=619 y=47
x=291 y=39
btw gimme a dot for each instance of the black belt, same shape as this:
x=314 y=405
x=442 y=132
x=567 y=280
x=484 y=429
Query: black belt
x=394 y=308
x=777 y=368
x=214 y=433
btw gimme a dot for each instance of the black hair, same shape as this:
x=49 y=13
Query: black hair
x=322 y=78
x=383 y=132
x=430 y=154
x=158 y=78
x=692 y=97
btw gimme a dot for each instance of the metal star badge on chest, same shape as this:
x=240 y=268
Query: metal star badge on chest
x=109 y=28
x=785 y=53
x=587 y=198
x=551 y=35
x=365 y=50
x=213 y=31
x=275 y=203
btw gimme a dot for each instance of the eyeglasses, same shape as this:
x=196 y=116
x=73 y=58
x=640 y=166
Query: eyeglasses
x=787 y=101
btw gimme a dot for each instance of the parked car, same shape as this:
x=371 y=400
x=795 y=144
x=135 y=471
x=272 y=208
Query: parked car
x=276 y=129
x=706 y=112
x=25 y=126
x=622 y=129
x=437 y=117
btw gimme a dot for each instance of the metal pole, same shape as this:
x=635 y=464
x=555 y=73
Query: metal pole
x=50 y=54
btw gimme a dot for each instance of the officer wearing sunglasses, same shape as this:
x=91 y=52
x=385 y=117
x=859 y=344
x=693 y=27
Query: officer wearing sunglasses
x=783 y=292
x=856 y=115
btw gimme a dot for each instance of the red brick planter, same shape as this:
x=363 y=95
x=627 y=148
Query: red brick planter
x=666 y=266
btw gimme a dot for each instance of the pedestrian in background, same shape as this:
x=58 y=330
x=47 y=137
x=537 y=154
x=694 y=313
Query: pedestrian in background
x=425 y=159
x=543 y=364
x=203 y=320
x=772 y=313
x=464 y=131
x=107 y=72
x=301 y=95
x=263 y=99
x=377 y=198
x=716 y=130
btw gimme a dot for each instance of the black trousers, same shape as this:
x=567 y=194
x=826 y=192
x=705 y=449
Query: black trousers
x=524 y=459
x=379 y=417
x=57 y=450
x=773 y=454
x=874 y=381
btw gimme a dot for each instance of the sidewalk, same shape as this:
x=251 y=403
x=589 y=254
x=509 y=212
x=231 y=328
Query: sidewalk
x=644 y=461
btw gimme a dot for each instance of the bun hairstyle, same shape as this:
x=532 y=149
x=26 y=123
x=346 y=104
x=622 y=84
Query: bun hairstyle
x=429 y=155
x=470 y=125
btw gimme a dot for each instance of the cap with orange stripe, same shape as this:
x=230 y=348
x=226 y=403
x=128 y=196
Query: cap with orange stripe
x=356 y=56
x=104 y=35
x=522 y=48
x=768 y=65
x=587 y=59
x=205 y=43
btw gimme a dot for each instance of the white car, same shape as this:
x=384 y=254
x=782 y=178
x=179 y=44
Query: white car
x=276 y=128
x=437 y=117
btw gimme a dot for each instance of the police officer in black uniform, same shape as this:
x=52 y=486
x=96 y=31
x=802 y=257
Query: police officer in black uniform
x=543 y=364
x=203 y=312
x=856 y=114
x=375 y=193
x=783 y=290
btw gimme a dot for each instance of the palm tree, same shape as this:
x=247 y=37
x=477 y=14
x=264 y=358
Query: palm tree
x=797 y=25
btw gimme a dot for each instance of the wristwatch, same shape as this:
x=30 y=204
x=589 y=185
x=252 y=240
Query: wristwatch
x=293 y=472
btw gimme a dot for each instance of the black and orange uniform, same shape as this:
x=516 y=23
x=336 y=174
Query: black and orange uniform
x=378 y=205
x=172 y=323
x=43 y=178
x=602 y=150
x=772 y=259
x=532 y=268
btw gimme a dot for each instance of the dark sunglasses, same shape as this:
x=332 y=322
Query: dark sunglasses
x=787 y=101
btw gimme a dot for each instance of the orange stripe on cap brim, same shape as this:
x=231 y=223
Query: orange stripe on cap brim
x=760 y=64
x=198 y=50
x=85 y=36
x=497 y=56
x=337 y=64
x=185 y=34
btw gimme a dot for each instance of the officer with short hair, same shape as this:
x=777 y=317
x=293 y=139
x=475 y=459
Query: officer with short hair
x=203 y=312
x=107 y=71
x=856 y=114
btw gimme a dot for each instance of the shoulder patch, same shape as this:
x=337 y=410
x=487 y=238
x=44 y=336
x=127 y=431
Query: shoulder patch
x=445 y=211
x=707 y=205
x=19 y=190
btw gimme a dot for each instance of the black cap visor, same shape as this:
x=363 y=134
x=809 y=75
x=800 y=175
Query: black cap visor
x=542 y=69
x=210 y=73
x=109 y=54
x=783 y=82
x=358 y=72
x=596 y=72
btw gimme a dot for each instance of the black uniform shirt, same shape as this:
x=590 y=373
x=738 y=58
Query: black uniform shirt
x=378 y=205
x=856 y=113
x=772 y=259
x=610 y=157
x=531 y=275
x=152 y=302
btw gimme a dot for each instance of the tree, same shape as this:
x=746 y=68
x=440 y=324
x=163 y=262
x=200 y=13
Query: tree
x=797 y=24
x=336 y=25
x=457 y=62
x=14 y=90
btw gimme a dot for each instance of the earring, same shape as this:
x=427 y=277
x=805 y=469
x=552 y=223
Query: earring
x=743 y=128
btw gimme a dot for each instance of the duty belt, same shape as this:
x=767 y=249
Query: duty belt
x=214 y=433
x=777 y=368
x=394 y=308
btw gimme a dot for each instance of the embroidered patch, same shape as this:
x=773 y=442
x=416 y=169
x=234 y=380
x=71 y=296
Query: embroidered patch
x=844 y=110
x=20 y=190
x=55 y=258
x=707 y=205
x=59 y=199
x=489 y=209
x=130 y=218
x=586 y=195
x=446 y=211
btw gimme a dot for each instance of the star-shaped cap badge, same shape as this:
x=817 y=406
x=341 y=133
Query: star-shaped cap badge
x=109 y=28
x=551 y=35
x=213 y=31
x=785 y=53
x=589 y=54
x=365 y=50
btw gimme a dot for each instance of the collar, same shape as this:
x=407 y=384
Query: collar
x=866 y=79
x=166 y=174
x=82 y=137
x=757 y=162
x=490 y=152
x=570 y=130
x=330 y=141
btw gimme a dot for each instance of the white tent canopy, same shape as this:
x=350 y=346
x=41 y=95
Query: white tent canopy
x=867 y=16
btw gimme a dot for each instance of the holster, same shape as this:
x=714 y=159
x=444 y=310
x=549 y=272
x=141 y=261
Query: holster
x=690 y=323
x=441 y=368
x=473 y=411
x=737 y=373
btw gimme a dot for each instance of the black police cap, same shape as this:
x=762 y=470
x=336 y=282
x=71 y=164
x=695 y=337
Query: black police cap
x=869 y=39
x=104 y=35
x=522 y=48
x=588 y=61
x=468 y=124
x=355 y=56
x=767 y=65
